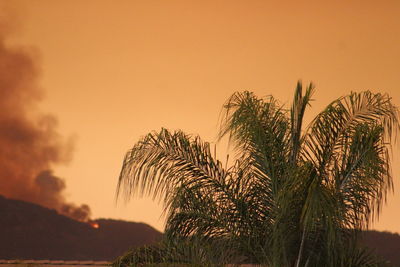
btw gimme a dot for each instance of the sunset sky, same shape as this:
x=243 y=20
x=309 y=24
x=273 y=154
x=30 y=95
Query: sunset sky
x=112 y=71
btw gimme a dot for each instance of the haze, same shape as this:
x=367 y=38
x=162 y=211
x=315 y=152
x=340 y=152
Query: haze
x=112 y=71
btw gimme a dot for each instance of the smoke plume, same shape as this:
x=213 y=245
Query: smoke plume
x=30 y=145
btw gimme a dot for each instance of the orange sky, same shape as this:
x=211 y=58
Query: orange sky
x=115 y=70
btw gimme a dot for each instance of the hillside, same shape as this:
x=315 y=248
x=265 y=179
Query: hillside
x=385 y=244
x=29 y=231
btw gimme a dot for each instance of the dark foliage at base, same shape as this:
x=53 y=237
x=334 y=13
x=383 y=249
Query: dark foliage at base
x=197 y=252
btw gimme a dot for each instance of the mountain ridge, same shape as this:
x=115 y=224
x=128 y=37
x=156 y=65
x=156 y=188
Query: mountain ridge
x=32 y=232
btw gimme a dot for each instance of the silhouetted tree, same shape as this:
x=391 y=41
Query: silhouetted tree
x=292 y=197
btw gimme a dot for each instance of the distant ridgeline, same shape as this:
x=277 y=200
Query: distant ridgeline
x=385 y=244
x=29 y=231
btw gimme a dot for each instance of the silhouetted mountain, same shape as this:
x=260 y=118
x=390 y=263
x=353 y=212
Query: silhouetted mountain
x=385 y=244
x=29 y=231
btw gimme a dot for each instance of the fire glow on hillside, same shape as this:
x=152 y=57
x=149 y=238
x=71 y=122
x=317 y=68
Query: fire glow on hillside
x=94 y=225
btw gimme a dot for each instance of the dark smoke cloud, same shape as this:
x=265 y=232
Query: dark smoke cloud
x=30 y=145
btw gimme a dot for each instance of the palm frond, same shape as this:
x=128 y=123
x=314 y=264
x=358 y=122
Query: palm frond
x=161 y=162
x=297 y=111
x=258 y=128
x=348 y=143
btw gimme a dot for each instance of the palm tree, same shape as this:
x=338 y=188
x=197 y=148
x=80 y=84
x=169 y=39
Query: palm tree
x=292 y=197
